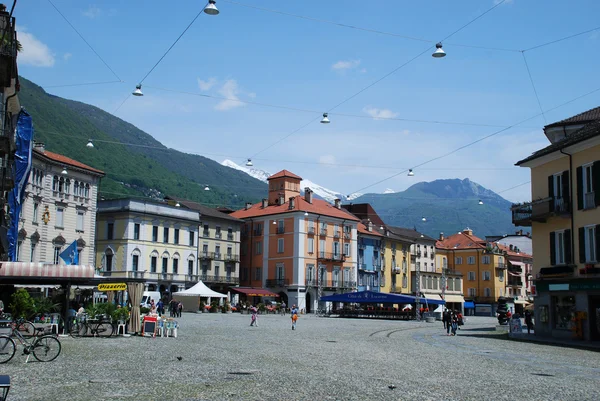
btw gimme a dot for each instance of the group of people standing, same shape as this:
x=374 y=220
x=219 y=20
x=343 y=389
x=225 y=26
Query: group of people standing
x=175 y=307
x=452 y=319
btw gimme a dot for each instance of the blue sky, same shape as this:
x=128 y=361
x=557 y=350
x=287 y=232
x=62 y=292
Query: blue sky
x=260 y=56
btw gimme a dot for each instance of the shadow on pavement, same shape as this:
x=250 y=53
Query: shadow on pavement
x=480 y=329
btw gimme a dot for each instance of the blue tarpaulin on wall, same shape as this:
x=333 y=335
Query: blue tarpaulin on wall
x=370 y=297
x=469 y=305
x=24 y=145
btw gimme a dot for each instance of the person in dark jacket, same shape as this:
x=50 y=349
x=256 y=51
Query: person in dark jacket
x=446 y=320
x=528 y=321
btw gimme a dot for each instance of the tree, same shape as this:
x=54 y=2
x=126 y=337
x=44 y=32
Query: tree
x=21 y=304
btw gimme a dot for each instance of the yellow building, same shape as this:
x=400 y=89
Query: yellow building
x=482 y=266
x=396 y=262
x=565 y=221
x=148 y=240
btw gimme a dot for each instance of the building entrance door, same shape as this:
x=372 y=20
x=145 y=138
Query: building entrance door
x=594 y=317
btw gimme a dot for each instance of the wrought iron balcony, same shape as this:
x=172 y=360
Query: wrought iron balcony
x=219 y=279
x=230 y=236
x=336 y=234
x=538 y=211
x=346 y=235
x=278 y=282
x=192 y=277
x=323 y=231
x=329 y=256
x=166 y=276
x=229 y=257
x=206 y=234
x=311 y=230
x=206 y=255
x=501 y=266
x=218 y=235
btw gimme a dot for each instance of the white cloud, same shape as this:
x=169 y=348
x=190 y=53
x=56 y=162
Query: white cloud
x=208 y=84
x=327 y=160
x=230 y=90
x=345 y=65
x=379 y=113
x=92 y=12
x=34 y=52
x=67 y=56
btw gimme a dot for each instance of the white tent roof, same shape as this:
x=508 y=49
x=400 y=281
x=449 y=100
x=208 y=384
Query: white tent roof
x=199 y=290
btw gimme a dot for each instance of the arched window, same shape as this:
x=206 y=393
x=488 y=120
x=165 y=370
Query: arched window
x=108 y=260
x=61 y=184
x=55 y=183
x=87 y=191
x=76 y=188
x=67 y=186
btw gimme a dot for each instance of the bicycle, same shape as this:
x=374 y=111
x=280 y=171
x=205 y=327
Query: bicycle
x=84 y=327
x=44 y=348
x=25 y=327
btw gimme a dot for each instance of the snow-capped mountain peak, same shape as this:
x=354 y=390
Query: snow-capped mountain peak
x=262 y=175
x=389 y=191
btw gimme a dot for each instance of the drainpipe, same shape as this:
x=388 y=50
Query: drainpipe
x=571 y=202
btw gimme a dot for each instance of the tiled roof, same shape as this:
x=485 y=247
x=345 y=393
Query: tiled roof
x=318 y=206
x=589 y=131
x=362 y=229
x=461 y=241
x=585 y=117
x=506 y=249
x=204 y=210
x=409 y=233
x=284 y=173
x=66 y=161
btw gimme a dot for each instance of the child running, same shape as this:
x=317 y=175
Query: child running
x=294 y=313
x=254 y=321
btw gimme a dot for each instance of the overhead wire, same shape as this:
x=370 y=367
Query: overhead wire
x=85 y=41
x=476 y=141
x=82 y=84
x=560 y=39
x=533 y=86
x=380 y=79
x=376 y=31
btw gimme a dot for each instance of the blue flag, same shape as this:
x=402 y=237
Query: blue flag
x=70 y=255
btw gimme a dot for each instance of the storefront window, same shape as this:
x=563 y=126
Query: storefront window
x=564 y=307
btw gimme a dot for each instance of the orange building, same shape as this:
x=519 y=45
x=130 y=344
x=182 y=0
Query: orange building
x=297 y=246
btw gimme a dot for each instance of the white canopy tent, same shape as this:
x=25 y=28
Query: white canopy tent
x=190 y=298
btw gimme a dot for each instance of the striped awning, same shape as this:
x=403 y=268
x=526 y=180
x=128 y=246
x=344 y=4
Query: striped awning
x=43 y=270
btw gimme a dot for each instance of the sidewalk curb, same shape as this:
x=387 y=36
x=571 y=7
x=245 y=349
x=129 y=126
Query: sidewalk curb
x=556 y=344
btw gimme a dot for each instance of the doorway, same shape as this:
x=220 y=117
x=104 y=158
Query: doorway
x=308 y=302
x=594 y=316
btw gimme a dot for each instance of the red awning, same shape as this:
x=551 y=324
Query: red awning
x=255 y=292
x=42 y=270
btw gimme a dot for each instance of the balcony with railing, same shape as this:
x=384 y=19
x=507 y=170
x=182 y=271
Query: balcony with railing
x=206 y=255
x=230 y=236
x=278 y=282
x=219 y=279
x=230 y=257
x=347 y=235
x=337 y=284
x=330 y=256
x=217 y=255
x=166 y=276
x=515 y=282
x=218 y=235
x=205 y=234
x=538 y=211
x=311 y=230
x=323 y=231
x=589 y=200
x=501 y=266
x=377 y=264
x=336 y=234
x=396 y=270
x=362 y=266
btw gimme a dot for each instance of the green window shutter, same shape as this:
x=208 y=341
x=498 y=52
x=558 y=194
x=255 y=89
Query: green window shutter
x=581 y=245
x=597 y=242
x=551 y=191
x=553 y=248
x=596 y=182
x=579 y=188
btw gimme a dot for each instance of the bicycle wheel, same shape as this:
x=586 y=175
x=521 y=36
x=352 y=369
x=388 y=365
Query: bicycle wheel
x=7 y=349
x=46 y=348
x=105 y=330
x=77 y=329
x=27 y=329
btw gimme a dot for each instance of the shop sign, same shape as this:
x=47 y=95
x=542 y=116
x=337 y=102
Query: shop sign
x=591 y=285
x=558 y=287
x=112 y=287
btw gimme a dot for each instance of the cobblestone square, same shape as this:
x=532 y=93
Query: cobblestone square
x=223 y=358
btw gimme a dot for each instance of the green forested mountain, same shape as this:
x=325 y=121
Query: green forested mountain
x=449 y=206
x=148 y=169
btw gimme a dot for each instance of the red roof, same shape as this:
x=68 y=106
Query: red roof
x=506 y=249
x=254 y=292
x=66 y=161
x=461 y=241
x=285 y=173
x=318 y=206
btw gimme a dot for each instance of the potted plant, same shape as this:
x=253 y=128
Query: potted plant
x=21 y=304
x=202 y=306
x=226 y=307
x=120 y=316
x=214 y=307
x=262 y=308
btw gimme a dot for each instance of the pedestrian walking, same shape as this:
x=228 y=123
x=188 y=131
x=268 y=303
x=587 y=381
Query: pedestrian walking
x=160 y=307
x=294 y=313
x=283 y=306
x=528 y=321
x=454 y=322
x=446 y=318
x=254 y=318
x=179 y=308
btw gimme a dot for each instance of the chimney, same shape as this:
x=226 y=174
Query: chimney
x=468 y=231
x=370 y=226
x=337 y=202
x=308 y=194
x=39 y=146
x=281 y=199
x=292 y=203
x=265 y=203
x=248 y=205
x=441 y=236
